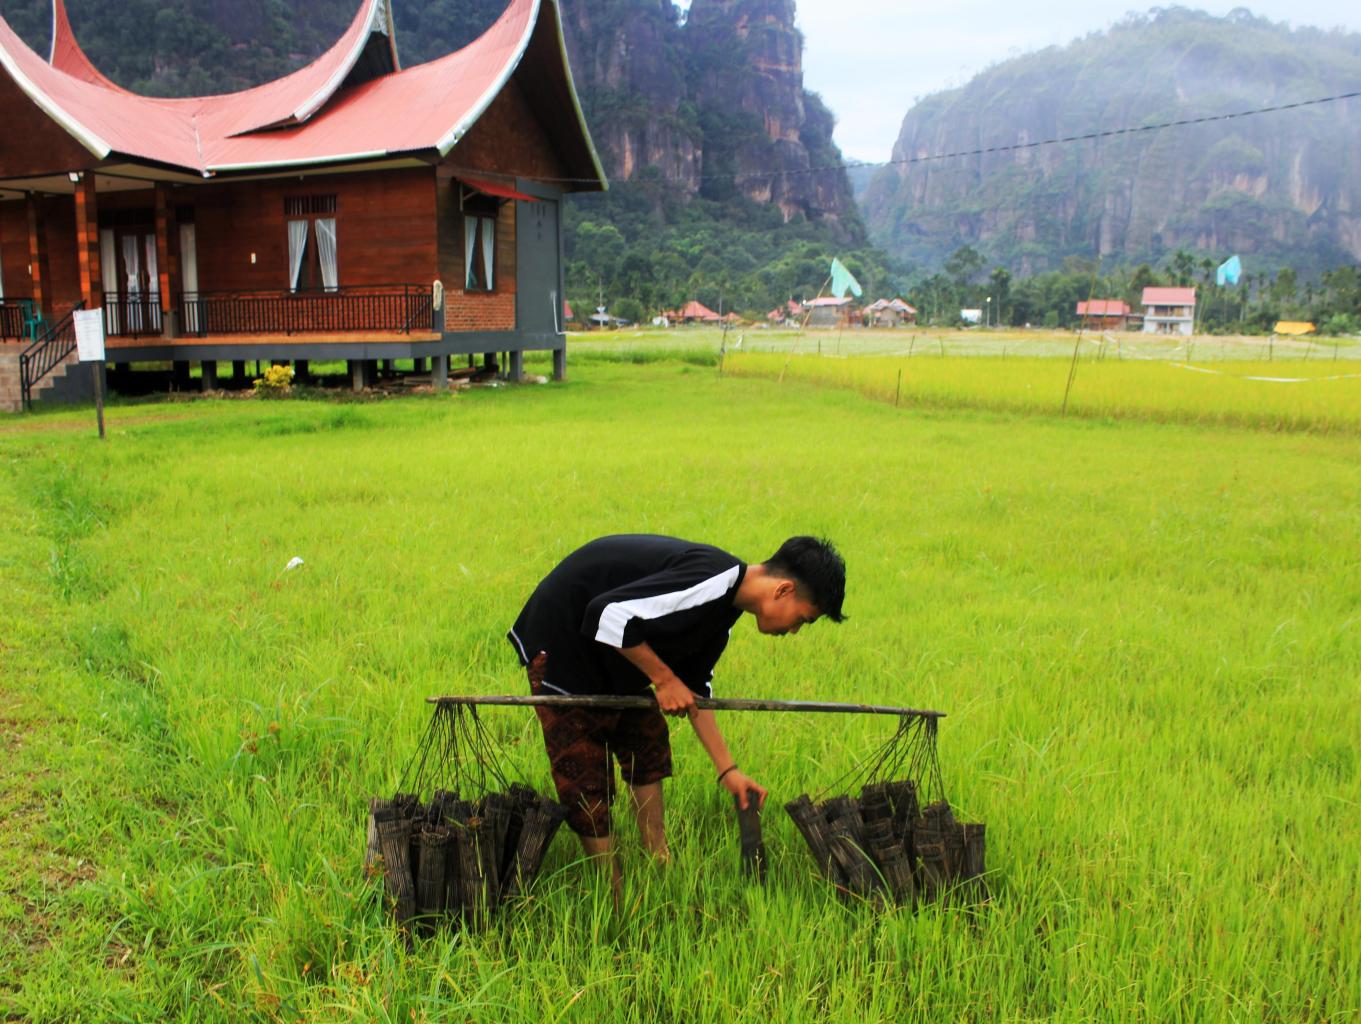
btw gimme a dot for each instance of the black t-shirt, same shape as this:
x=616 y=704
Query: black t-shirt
x=620 y=591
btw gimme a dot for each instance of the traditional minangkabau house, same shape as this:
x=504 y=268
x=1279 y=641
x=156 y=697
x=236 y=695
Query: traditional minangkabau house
x=351 y=210
x=890 y=313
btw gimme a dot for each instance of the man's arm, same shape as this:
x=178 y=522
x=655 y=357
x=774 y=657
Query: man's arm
x=731 y=778
x=675 y=698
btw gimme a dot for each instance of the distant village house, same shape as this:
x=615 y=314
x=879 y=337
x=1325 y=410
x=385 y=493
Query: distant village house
x=890 y=313
x=829 y=311
x=1104 y=314
x=1169 y=310
x=695 y=312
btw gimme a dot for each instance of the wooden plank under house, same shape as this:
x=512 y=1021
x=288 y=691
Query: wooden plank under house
x=352 y=210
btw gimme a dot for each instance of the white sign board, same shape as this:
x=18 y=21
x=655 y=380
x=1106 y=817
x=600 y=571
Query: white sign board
x=89 y=334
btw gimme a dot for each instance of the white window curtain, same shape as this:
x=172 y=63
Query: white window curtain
x=297 y=245
x=132 y=269
x=488 y=247
x=469 y=251
x=108 y=274
x=326 y=249
x=153 y=273
x=189 y=275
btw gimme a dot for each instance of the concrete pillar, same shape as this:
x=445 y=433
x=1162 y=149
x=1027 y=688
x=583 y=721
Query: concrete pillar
x=517 y=365
x=208 y=380
x=238 y=372
x=439 y=373
x=560 y=364
x=356 y=374
x=300 y=369
x=418 y=365
x=181 y=375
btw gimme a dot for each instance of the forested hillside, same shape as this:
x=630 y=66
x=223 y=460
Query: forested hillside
x=1281 y=189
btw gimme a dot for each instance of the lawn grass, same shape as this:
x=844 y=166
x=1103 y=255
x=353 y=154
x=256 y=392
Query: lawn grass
x=1146 y=635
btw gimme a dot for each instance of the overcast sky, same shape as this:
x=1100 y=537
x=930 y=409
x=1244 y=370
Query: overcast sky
x=871 y=58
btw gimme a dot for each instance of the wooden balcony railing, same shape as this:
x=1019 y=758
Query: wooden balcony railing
x=398 y=308
x=132 y=316
x=14 y=314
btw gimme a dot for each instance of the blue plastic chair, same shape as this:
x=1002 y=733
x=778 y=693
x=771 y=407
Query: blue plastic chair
x=34 y=323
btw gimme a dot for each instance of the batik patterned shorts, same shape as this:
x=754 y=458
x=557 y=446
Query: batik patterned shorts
x=580 y=744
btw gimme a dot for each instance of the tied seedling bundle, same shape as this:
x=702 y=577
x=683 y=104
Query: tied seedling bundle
x=898 y=840
x=478 y=841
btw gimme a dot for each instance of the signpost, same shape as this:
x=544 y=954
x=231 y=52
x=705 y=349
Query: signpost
x=89 y=324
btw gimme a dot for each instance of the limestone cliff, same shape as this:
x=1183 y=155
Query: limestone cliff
x=1282 y=187
x=715 y=103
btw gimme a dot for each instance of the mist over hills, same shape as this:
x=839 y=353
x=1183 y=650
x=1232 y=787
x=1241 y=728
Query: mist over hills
x=1284 y=188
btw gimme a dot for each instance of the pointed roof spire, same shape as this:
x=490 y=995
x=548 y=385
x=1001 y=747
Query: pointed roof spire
x=66 y=54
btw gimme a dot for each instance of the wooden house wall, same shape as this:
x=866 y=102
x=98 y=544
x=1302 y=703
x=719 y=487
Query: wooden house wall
x=35 y=144
x=62 y=290
x=61 y=273
x=14 y=247
x=384 y=229
x=509 y=141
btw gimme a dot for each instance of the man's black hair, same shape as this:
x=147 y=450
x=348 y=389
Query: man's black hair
x=815 y=565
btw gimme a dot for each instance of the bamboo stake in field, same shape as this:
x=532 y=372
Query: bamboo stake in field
x=611 y=702
x=1072 y=367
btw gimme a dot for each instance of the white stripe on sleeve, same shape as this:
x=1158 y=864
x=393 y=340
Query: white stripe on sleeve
x=614 y=619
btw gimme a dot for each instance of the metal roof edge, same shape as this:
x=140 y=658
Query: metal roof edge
x=450 y=138
x=261 y=165
x=576 y=100
x=87 y=138
x=392 y=38
x=314 y=102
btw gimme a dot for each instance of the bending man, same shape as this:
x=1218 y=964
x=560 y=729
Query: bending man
x=627 y=613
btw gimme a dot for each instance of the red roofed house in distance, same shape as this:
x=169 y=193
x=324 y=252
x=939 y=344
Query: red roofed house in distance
x=1169 y=310
x=350 y=210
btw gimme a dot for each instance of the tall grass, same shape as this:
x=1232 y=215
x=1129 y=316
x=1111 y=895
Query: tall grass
x=1146 y=636
x=1322 y=397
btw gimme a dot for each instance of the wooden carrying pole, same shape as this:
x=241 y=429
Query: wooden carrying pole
x=604 y=702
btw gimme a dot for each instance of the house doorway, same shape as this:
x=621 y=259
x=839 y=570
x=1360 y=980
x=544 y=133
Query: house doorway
x=132 y=286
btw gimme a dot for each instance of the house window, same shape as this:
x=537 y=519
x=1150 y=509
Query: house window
x=479 y=243
x=312 y=257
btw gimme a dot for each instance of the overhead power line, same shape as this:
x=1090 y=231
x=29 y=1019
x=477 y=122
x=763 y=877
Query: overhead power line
x=1011 y=147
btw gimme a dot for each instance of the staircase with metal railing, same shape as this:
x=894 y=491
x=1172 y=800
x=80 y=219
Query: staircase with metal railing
x=50 y=352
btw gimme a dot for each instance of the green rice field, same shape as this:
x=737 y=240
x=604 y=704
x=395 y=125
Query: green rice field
x=1143 y=619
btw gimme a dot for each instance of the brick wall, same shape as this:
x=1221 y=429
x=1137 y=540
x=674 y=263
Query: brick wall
x=479 y=311
x=9 y=379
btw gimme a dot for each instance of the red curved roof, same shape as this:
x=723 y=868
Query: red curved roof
x=67 y=55
x=313 y=117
